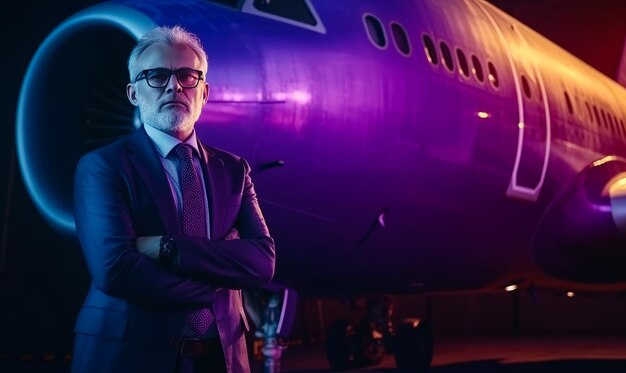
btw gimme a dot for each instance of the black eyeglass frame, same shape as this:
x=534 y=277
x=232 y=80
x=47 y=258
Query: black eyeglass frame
x=144 y=75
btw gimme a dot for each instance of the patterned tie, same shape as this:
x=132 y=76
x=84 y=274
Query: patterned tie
x=194 y=223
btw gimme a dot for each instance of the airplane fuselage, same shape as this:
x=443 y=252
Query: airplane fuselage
x=384 y=166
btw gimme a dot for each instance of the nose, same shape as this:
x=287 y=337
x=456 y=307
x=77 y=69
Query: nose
x=173 y=85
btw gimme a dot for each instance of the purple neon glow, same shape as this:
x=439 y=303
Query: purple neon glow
x=364 y=132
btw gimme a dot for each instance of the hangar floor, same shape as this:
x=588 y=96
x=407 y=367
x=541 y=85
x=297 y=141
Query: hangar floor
x=489 y=354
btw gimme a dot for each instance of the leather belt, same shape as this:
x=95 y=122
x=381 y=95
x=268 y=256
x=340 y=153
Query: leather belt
x=198 y=347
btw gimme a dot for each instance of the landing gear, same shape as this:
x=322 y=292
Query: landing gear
x=414 y=346
x=349 y=346
x=273 y=312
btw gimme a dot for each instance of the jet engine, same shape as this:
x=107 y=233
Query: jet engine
x=72 y=101
x=581 y=235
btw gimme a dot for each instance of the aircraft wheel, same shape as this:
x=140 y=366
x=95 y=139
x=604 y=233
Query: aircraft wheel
x=349 y=346
x=414 y=346
x=342 y=347
x=372 y=344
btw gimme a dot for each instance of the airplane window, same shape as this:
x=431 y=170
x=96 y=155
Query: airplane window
x=606 y=122
x=400 y=38
x=375 y=31
x=569 y=103
x=589 y=111
x=429 y=49
x=463 y=66
x=297 y=10
x=610 y=121
x=493 y=75
x=477 y=68
x=595 y=110
x=525 y=86
x=616 y=123
x=446 y=55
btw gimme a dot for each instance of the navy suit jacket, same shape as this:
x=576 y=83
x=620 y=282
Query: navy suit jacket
x=133 y=315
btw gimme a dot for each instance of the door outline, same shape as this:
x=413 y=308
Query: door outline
x=514 y=189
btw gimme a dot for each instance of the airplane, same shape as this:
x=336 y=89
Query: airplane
x=398 y=147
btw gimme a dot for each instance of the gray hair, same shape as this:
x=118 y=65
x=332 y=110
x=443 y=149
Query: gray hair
x=172 y=36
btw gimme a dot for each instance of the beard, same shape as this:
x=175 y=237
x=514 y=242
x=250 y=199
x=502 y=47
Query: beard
x=169 y=120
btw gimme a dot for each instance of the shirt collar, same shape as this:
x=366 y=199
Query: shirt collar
x=165 y=143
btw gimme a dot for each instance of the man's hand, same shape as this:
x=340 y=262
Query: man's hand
x=149 y=245
x=232 y=235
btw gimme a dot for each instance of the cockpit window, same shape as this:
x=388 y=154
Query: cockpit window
x=299 y=13
x=296 y=10
x=230 y=3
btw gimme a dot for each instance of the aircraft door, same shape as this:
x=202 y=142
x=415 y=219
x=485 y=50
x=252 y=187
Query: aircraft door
x=533 y=146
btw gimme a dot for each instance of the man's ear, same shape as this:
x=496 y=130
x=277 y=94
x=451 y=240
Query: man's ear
x=131 y=92
x=205 y=94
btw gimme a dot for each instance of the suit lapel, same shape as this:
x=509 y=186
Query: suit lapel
x=146 y=160
x=213 y=171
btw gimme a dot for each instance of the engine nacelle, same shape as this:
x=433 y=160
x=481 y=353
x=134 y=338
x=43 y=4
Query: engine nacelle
x=581 y=236
x=72 y=101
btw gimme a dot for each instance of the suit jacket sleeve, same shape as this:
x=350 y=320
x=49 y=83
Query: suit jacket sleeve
x=102 y=209
x=235 y=264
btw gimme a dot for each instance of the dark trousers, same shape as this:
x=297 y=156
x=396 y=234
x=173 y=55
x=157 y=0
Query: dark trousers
x=211 y=362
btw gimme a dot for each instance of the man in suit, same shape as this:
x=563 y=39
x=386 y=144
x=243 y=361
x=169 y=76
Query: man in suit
x=170 y=228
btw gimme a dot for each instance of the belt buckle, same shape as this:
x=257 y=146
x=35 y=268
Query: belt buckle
x=184 y=342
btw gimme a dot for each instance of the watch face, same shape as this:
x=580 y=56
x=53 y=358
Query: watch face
x=167 y=252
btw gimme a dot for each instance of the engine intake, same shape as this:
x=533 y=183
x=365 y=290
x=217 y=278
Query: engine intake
x=72 y=100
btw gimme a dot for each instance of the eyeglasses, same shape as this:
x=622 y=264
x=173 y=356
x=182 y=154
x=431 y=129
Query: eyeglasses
x=159 y=77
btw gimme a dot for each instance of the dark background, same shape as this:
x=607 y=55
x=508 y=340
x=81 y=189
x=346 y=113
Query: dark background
x=43 y=279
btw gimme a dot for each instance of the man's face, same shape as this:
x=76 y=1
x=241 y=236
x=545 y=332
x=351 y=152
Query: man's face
x=172 y=109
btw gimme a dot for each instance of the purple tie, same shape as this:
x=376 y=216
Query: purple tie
x=194 y=223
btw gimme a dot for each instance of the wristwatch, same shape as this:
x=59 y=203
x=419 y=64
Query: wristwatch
x=167 y=251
